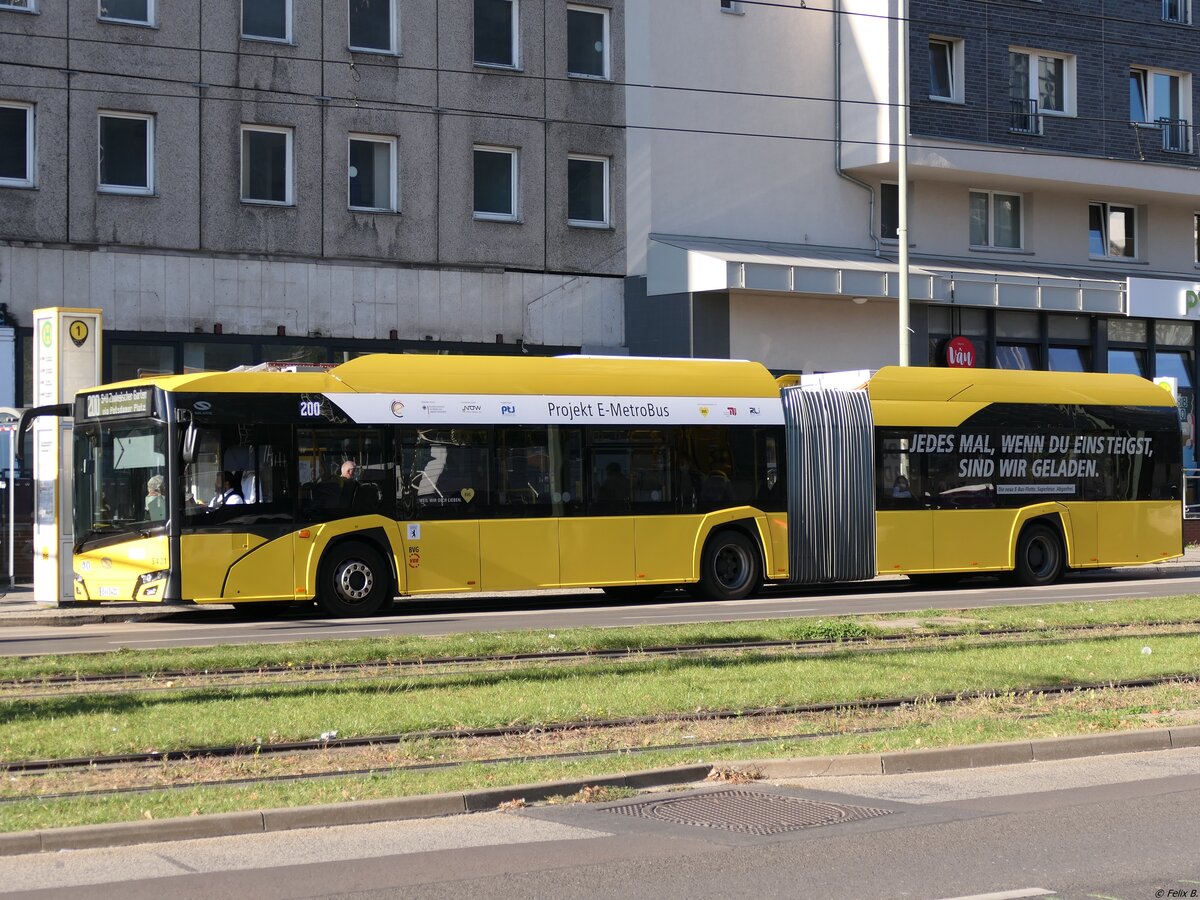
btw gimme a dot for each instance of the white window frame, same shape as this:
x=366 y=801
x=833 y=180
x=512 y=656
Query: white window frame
x=10 y=6
x=148 y=22
x=991 y=220
x=30 y=146
x=1106 y=207
x=606 y=222
x=733 y=7
x=956 y=47
x=287 y=38
x=1148 y=73
x=607 y=63
x=289 y=161
x=515 y=180
x=1185 y=13
x=514 y=39
x=1068 y=59
x=393 y=174
x=393 y=47
x=103 y=188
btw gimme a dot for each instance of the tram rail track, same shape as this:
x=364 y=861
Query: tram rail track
x=442 y=667
x=66 y=764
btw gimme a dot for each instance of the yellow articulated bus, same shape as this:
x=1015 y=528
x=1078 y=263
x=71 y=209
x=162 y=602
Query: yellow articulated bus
x=407 y=475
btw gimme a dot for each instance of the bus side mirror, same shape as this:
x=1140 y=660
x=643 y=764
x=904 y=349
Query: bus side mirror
x=190 y=438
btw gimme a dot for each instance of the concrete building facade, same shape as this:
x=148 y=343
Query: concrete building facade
x=233 y=182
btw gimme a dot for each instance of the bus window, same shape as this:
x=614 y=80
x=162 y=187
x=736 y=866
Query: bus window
x=719 y=467
x=523 y=482
x=444 y=472
x=566 y=464
x=240 y=472
x=898 y=480
x=343 y=472
x=650 y=470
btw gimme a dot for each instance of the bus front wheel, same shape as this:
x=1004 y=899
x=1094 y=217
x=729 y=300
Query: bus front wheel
x=1039 y=556
x=355 y=581
x=731 y=568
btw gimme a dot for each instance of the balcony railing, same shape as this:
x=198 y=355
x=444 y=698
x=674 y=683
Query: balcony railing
x=1023 y=117
x=1175 y=11
x=1174 y=135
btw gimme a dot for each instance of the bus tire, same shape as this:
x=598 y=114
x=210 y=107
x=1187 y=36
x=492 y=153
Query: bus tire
x=731 y=567
x=1039 y=556
x=354 y=580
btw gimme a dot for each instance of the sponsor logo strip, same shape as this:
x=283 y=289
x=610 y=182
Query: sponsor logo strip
x=425 y=409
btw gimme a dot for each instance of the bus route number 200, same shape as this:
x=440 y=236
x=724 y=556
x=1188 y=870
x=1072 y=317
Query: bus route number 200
x=310 y=409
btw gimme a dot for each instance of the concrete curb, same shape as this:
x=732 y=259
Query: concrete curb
x=433 y=805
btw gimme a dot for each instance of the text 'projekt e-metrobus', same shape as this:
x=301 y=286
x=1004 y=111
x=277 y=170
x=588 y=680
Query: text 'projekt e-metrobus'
x=407 y=475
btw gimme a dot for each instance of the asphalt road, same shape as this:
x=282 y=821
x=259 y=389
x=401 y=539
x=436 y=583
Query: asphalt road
x=551 y=611
x=1117 y=827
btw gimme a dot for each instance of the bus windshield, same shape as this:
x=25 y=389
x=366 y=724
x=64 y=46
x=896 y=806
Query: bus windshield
x=120 y=478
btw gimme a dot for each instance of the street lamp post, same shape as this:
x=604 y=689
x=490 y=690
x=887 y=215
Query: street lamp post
x=902 y=174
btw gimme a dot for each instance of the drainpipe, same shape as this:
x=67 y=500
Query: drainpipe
x=837 y=125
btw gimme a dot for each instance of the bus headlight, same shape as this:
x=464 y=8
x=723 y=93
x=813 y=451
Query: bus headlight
x=146 y=586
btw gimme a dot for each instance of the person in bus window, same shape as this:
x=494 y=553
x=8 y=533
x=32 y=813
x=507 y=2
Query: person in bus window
x=717 y=490
x=900 y=489
x=229 y=490
x=349 y=483
x=614 y=490
x=156 y=504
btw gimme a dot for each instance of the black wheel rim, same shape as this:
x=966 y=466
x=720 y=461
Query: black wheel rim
x=732 y=567
x=1042 y=556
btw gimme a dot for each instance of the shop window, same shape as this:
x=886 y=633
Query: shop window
x=1013 y=324
x=1069 y=359
x=1016 y=356
x=141 y=360
x=1174 y=365
x=1127 y=362
x=1127 y=331
x=299 y=354
x=215 y=356
x=1074 y=328
x=1174 y=334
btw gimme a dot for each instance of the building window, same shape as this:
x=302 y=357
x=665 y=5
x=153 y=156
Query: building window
x=1111 y=231
x=1039 y=82
x=266 y=164
x=995 y=220
x=1127 y=362
x=267 y=20
x=1158 y=98
x=732 y=6
x=21 y=5
x=126 y=153
x=889 y=211
x=1176 y=11
x=1069 y=359
x=587 y=191
x=137 y=12
x=1017 y=356
x=587 y=42
x=1196 y=235
x=945 y=69
x=496 y=33
x=496 y=183
x=16 y=144
x=372 y=173
x=373 y=25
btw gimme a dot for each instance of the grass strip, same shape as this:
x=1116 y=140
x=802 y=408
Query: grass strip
x=121 y=723
x=949 y=730
x=351 y=652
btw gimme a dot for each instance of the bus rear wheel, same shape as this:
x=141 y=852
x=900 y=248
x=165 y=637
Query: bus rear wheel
x=1039 y=556
x=731 y=568
x=354 y=581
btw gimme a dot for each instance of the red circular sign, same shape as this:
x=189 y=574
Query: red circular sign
x=960 y=353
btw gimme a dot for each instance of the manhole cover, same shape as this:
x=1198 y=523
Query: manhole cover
x=748 y=812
